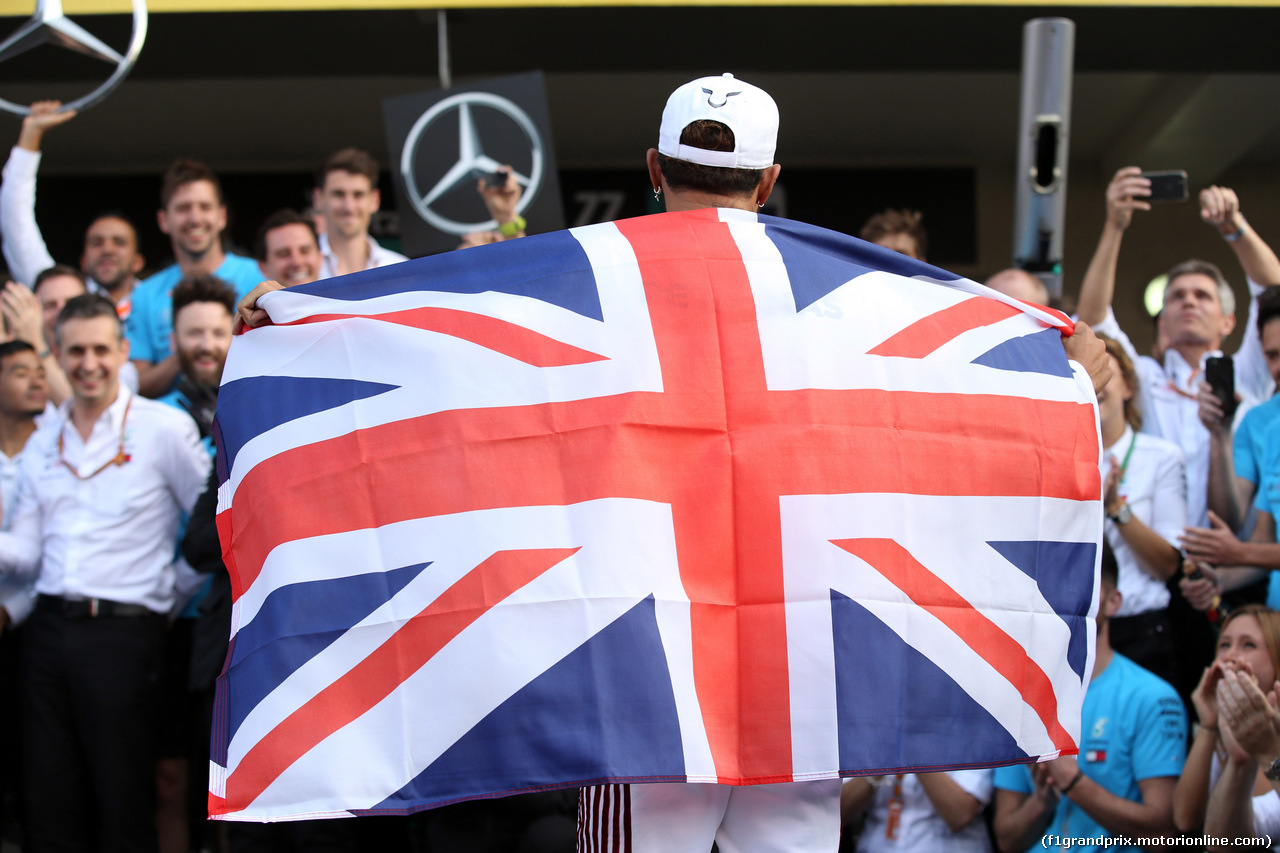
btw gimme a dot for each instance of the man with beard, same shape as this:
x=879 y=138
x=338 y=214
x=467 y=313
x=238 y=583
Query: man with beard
x=194 y=215
x=203 y=306
x=111 y=258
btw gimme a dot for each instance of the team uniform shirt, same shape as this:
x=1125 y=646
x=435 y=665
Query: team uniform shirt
x=378 y=257
x=24 y=248
x=1256 y=451
x=1155 y=487
x=150 y=322
x=188 y=578
x=111 y=534
x=1134 y=728
x=919 y=828
x=17 y=592
x=1167 y=394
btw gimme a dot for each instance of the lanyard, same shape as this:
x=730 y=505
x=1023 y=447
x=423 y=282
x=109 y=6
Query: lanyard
x=119 y=459
x=894 y=820
x=1128 y=454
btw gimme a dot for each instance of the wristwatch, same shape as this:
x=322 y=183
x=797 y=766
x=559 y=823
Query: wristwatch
x=1272 y=771
x=1123 y=515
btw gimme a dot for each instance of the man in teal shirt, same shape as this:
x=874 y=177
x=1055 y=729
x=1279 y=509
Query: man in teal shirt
x=194 y=216
x=1132 y=748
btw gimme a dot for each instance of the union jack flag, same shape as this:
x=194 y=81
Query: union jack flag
x=704 y=496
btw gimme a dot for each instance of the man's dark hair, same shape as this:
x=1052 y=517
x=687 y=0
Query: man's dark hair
x=890 y=221
x=203 y=288
x=1110 y=568
x=350 y=160
x=115 y=214
x=87 y=306
x=183 y=172
x=709 y=136
x=1268 y=307
x=279 y=219
x=57 y=271
x=13 y=347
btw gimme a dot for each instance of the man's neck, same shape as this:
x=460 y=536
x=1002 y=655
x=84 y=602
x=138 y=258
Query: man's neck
x=1103 y=653
x=121 y=290
x=206 y=263
x=1192 y=352
x=84 y=415
x=352 y=252
x=14 y=432
x=694 y=200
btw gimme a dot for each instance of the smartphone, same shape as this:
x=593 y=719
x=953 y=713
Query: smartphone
x=497 y=179
x=1167 y=186
x=1220 y=373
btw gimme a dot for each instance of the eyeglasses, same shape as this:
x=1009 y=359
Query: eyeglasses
x=119 y=459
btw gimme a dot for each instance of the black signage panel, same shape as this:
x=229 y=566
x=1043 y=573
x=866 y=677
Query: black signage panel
x=444 y=142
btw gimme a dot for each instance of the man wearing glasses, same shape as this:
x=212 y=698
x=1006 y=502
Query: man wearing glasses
x=100 y=494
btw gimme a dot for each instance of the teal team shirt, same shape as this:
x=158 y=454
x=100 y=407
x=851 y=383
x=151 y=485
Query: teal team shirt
x=1134 y=727
x=151 y=321
x=1256 y=449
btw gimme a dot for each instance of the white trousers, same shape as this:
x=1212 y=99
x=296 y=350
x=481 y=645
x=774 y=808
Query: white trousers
x=791 y=817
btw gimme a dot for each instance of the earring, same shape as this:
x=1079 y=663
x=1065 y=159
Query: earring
x=759 y=204
x=657 y=193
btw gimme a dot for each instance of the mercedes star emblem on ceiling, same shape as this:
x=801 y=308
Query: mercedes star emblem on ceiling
x=49 y=25
x=472 y=162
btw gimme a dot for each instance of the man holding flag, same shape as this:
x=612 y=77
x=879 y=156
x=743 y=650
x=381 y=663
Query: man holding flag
x=692 y=456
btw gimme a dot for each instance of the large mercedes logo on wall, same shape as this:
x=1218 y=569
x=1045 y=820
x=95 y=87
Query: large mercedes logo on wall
x=50 y=26
x=472 y=163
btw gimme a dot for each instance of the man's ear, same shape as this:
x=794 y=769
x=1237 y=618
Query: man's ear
x=1110 y=606
x=655 y=173
x=767 y=181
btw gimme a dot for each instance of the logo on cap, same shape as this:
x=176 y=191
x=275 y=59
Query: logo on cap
x=711 y=96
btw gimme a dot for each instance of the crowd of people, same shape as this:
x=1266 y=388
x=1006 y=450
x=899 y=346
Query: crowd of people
x=1179 y=740
x=115 y=605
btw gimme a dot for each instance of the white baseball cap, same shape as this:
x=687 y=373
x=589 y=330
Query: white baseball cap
x=745 y=109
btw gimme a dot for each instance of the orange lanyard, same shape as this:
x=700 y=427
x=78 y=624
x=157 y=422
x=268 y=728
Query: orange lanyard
x=1191 y=381
x=119 y=459
x=894 y=821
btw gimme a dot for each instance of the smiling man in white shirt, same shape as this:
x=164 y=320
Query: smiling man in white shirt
x=100 y=494
x=347 y=195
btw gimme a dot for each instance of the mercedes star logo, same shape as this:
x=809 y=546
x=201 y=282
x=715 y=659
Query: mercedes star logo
x=472 y=162
x=50 y=25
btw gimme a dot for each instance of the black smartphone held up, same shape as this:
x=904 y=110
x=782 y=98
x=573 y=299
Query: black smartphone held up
x=1167 y=186
x=1220 y=373
x=496 y=180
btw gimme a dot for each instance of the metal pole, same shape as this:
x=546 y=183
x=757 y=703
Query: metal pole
x=442 y=45
x=1044 y=131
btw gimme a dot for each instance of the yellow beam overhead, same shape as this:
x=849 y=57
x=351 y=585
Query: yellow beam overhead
x=24 y=8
